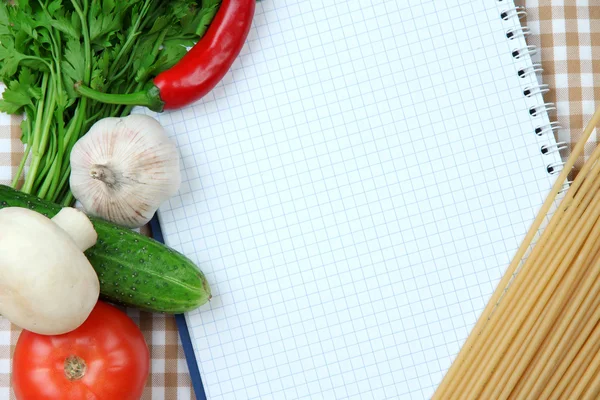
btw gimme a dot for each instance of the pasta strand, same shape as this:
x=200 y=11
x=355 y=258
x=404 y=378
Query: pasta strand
x=529 y=309
x=521 y=321
x=584 y=367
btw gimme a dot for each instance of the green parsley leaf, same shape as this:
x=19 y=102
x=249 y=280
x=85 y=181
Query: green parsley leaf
x=17 y=94
x=73 y=65
x=62 y=24
x=160 y=24
x=4 y=20
x=199 y=22
x=104 y=22
x=54 y=6
x=9 y=59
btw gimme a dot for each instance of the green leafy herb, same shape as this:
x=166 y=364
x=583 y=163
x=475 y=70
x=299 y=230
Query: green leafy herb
x=116 y=46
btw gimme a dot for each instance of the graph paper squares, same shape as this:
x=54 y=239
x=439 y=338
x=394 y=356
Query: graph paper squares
x=353 y=190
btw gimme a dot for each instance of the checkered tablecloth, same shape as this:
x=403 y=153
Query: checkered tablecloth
x=567 y=33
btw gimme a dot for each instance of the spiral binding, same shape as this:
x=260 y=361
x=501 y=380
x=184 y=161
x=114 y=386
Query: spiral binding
x=535 y=110
x=565 y=187
x=532 y=69
x=518 y=32
x=538 y=89
x=530 y=50
x=553 y=148
x=545 y=129
x=517 y=11
x=554 y=168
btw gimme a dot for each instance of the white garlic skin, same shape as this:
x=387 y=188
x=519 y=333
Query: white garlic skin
x=123 y=169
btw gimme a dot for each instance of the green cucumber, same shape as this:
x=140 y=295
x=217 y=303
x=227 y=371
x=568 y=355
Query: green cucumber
x=134 y=270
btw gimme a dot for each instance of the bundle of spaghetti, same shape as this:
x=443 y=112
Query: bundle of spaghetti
x=539 y=335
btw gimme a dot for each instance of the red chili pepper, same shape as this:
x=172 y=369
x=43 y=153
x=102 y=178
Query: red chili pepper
x=200 y=70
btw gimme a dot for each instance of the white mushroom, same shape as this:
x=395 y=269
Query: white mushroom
x=47 y=285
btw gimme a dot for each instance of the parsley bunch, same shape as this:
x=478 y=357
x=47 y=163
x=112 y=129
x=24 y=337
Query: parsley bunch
x=114 y=46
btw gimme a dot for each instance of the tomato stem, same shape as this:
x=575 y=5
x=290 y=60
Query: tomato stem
x=75 y=368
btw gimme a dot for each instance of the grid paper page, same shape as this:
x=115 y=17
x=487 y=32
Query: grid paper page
x=354 y=189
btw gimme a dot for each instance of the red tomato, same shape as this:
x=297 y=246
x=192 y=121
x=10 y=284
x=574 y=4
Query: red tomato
x=105 y=358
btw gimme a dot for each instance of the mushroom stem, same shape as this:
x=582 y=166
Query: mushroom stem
x=78 y=227
x=103 y=174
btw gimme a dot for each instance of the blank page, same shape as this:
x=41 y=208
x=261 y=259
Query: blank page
x=354 y=189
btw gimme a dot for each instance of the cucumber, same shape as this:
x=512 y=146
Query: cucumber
x=134 y=270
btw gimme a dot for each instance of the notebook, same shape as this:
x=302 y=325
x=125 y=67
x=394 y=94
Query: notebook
x=354 y=189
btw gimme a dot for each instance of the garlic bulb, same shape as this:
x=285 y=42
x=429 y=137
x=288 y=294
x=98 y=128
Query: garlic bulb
x=123 y=169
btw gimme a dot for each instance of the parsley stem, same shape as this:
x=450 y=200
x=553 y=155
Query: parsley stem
x=64 y=179
x=49 y=114
x=48 y=178
x=124 y=69
x=68 y=198
x=36 y=137
x=45 y=136
x=74 y=124
x=47 y=161
x=86 y=40
x=95 y=116
x=26 y=151
x=48 y=181
x=32 y=58
x=21 y=166
x=55 y=175
x=39 y=116
x=53 y=161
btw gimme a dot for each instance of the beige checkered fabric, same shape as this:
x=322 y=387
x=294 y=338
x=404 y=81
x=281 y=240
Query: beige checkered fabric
x=567 y=33
x=169 y=376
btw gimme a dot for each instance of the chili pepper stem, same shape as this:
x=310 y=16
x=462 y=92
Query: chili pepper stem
x=148 y=98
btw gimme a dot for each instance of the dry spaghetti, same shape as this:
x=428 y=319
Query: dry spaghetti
x=539 y=335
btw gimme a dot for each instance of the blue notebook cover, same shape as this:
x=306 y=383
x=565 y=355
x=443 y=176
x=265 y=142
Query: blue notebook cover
x=182 y=327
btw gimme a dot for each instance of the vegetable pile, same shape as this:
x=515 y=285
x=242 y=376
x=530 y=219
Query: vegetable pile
x=134 y=270
x=111 y=46
x=75 y=69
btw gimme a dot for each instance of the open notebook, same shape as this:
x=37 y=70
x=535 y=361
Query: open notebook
x=354 y=190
